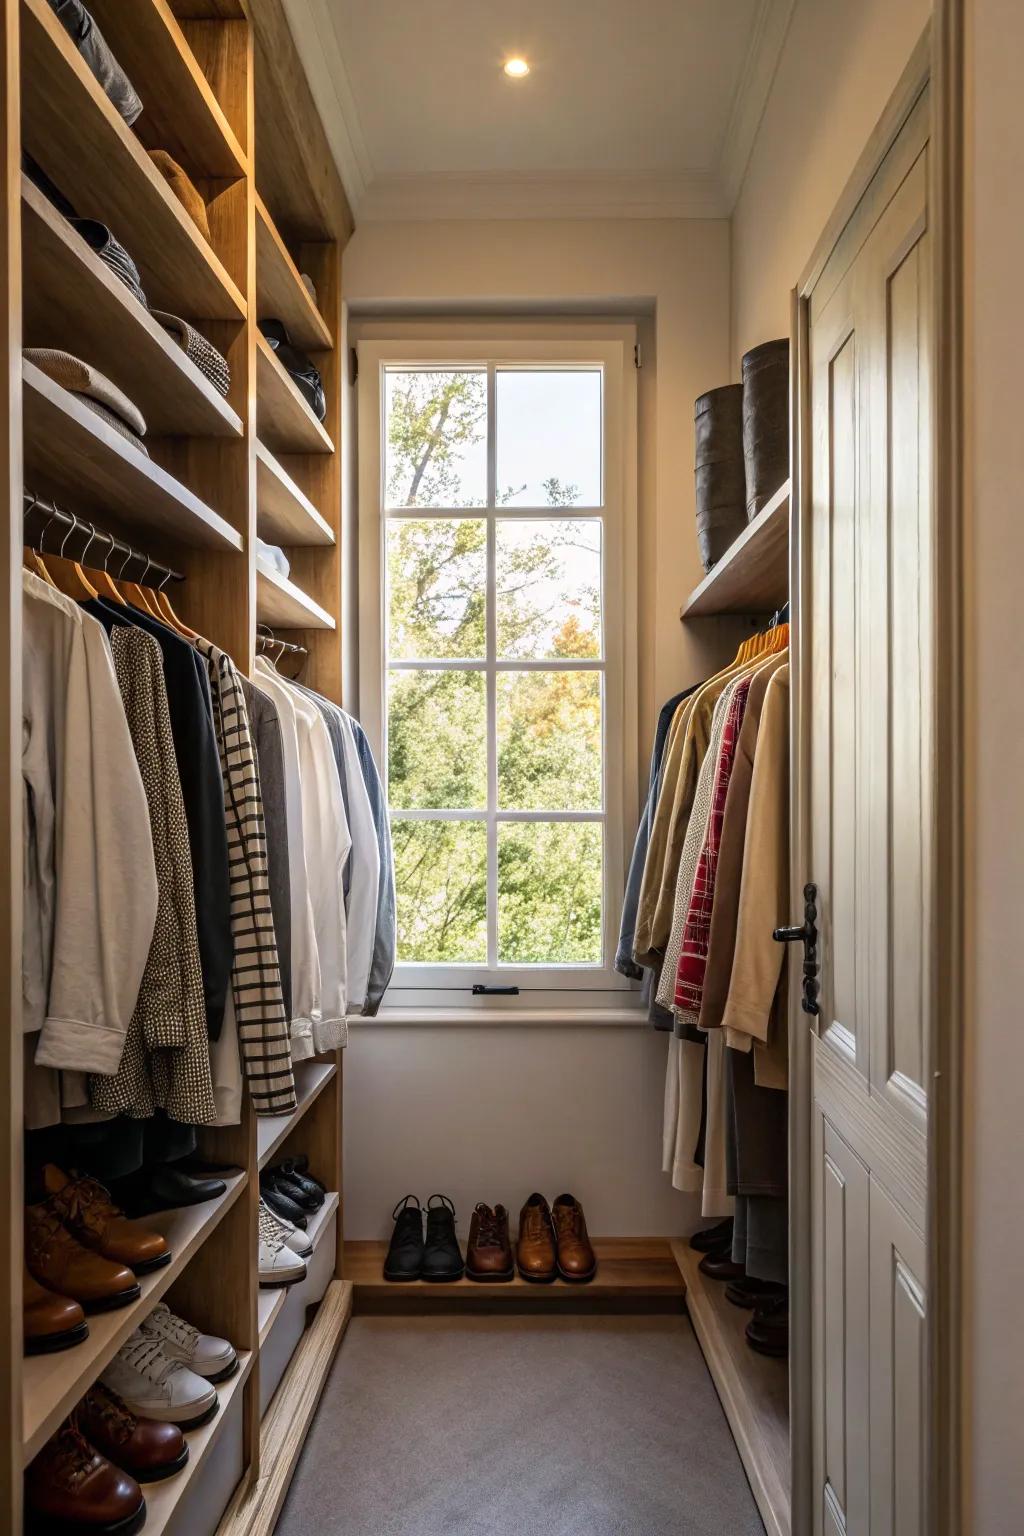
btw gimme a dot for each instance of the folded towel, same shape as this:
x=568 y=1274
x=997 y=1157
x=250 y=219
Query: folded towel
x=183 y=189
x=95 y=50
x=203 y=353
x=82 y=379
x=272 y=555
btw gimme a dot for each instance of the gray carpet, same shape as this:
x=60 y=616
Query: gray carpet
x=513 y=1426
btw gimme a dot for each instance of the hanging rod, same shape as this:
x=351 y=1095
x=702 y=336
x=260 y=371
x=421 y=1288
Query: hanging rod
x=49 y=511
x=265 y=636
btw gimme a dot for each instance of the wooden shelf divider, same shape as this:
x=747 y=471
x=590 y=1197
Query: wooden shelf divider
x=753 y=574
x=163 y=1498
x=284 y=513
x=280 y=292
x=284 y=421
x=283 y=605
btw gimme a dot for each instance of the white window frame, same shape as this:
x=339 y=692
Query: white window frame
x=547 y=987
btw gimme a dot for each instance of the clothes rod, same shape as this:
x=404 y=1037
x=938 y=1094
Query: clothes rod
x=265 y=636
x=50 y=513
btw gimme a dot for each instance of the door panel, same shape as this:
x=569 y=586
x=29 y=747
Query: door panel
x=866 y=553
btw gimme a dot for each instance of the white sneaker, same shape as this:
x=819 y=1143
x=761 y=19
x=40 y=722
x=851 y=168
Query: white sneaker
x=156 y=1386
x=210 y=1357
x=289 y=1234
x=278 y=1264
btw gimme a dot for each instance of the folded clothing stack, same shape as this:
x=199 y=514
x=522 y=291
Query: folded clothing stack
x=95 y=50
x=94 y=389
x=272 y=556
x=196 y=347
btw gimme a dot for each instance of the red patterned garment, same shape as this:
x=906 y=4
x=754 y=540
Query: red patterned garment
x=697 y=930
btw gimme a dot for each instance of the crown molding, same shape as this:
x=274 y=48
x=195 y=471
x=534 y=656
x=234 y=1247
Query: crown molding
x=767 y=40
x=544 y=195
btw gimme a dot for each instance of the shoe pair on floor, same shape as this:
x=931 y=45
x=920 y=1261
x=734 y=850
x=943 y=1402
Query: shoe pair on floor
x=82 y=1254
x=127 y=1430
x=768 y=1330
x=552 y=1242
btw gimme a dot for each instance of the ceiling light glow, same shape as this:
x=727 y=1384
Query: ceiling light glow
x=516 y=68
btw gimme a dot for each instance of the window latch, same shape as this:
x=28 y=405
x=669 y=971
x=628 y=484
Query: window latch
x=481 y=990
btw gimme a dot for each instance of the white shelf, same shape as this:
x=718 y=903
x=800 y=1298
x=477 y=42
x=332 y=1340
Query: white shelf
x=283 y=605
x=311 y=1078
x=52 y=1384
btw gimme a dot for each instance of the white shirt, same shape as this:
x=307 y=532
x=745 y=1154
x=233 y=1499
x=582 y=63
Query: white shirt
x=364 y=884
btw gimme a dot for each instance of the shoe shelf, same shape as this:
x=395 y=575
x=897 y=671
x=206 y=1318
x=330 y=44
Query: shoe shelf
x=280 y=292
x=283 y=605
x=74 y=301
x=311 y=1078
x=52 y=1384
x=320 y=1220
x=284 y=513
x=89 y=150
x=753 y=574
x=181 y=114
x=630 y=1270
x=73 y=455
x=269 y=1305
x=283 y=419
x=165 y=1500
x=753 y=1388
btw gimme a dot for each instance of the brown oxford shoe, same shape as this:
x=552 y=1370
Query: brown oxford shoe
x=61 y=1264
x=91 y=1216
x=489 y=1251
x=71 y=1487
x=50 y=1322
x=146 y=1448
x=576 y=1259
x=536 y=1250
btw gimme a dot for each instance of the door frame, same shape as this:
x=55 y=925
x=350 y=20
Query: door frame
x=937 y=59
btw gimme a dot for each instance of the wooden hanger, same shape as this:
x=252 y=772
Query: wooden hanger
x=33 y=562
x=163 y=602
x=102 y=580
x=68 y=575
x=133 y=593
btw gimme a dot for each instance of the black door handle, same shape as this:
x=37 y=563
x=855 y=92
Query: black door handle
x=807 y=935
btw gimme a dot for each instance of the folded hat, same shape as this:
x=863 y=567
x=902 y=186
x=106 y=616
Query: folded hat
x=196 y=347
x=183 y=189
x=82 y=379
x=112 y=253
x=115 y=423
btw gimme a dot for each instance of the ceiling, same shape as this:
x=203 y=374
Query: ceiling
x=642 y=107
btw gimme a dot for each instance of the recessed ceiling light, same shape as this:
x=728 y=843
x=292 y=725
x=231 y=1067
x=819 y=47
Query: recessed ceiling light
x=516 y=68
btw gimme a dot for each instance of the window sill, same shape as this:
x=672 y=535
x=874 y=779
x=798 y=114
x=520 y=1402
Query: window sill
x=506 y=1018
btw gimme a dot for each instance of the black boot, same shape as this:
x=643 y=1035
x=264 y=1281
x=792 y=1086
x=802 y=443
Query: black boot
x=442 y=1257
x=405 y=1252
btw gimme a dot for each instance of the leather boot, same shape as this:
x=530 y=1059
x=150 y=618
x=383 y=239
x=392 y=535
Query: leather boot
x=71 y=1487
x=489 y=1252
x=145 y=1448
x=404 y=1259
x=61 y=1264
x=90 y=1215
x=577 y=1261
x=442 y=1257
x=768 y=1329
x=710 y=1238
x=51 y=1322
x=536 y=1249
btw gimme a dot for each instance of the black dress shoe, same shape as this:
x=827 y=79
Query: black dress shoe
x=300 y=1164
x=312 y=1189
x=170 y=1186
x=751 y=1293
x=442 y=1257
x=281 y=1184
x=768 y=1329
x=281 y=1205
x=719 y=1266
x=405 y=1251
x=710 y=1238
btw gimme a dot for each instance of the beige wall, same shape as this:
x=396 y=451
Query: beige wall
x=994 y=743
x=492 y=1113
x=840 y=63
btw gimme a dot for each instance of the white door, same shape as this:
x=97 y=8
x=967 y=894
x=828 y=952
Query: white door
x=867 y=547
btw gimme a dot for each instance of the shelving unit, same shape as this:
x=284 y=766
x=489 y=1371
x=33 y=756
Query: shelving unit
x=225 y=95
x=283 y=605
x=753 y=574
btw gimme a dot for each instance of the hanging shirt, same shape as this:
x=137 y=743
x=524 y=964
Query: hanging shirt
x=90 y=888
x=265 y=724
x=385 y=939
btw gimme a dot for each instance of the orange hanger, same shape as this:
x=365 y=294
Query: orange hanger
x=132 y=592
x=103 y=583
x=33 y=562
x=167 y=612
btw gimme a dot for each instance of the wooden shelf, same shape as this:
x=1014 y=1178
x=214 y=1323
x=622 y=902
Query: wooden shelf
x=280 y=292
x=269 y=1304
x=257 y=1504
x=638 y=1270
x=311 y=1078
x=283 y=605
x=90 y=153
x=180 y=112
x=52 y=1384
x=72 y=454
x=208 y=10
x=74 y=301
x=284 y=421
x=163 y=1498
x=753 y=1388
x=318 y=1223
x=284 y=514
x=753 y=574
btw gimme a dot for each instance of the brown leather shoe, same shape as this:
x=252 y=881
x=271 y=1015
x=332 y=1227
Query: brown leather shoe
x=69 y=1486
x=577 y=1261
x=536 y=1250
x=91 y=1216
x=50 y=1322
x=56 y=1260
x=146 y=1449
x=489 y=1251
x=719 y=1266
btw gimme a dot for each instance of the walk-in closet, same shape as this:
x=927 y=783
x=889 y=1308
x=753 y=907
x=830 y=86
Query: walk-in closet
x=512 y=776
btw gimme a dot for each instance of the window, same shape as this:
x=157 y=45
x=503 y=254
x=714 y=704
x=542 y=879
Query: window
x=493 y=662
